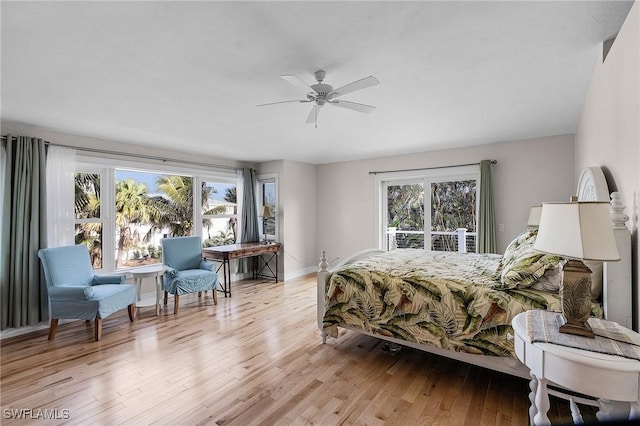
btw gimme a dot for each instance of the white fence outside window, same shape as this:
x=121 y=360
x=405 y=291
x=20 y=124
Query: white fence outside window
x=459 y=240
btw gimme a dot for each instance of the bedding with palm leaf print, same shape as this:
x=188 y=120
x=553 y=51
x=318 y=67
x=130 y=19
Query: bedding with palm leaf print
x=450 y=300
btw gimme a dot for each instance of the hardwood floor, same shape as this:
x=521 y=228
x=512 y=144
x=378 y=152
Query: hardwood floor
x=255 y=358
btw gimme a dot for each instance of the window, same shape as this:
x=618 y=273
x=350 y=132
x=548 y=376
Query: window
x=122 y=213
x=268 y=196
x=405 y=214
x=148 y=207
x=219 y=212
x=88 y=217
x=450 y=222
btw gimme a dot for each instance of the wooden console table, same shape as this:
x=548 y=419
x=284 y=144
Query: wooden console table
x=224 y=254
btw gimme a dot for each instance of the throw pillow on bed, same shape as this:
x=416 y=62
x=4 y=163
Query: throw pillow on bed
x=521 y=265
x=519 y=243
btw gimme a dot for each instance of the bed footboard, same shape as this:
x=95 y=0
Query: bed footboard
x=323 y=279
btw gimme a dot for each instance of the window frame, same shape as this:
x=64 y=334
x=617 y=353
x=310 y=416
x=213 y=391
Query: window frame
x=260 y=181
x=108 y=228
x=214 y=179
x=426 y=177
x=106 y=167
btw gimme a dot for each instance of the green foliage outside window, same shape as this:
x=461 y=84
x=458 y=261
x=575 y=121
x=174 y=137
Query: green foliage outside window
x=141 y=213
x=453 y=206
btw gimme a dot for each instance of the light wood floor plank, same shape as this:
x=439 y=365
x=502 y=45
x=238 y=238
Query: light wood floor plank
x=254 y=359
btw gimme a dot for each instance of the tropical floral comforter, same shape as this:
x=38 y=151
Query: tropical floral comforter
x=449 y=300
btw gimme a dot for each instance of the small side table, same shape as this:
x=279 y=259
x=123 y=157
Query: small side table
x=149 y=272
x=606 y=377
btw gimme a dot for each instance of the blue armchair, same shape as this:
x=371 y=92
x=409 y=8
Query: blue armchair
x=186 y=271
x=75 y=292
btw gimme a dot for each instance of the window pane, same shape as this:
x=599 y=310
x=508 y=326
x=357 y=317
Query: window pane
x=219 y=198
x=90 y=234
x=269 y=199
x=219 y=231
x=87 y=200
x=453 y=206
x=148 y=207
x=405 y=216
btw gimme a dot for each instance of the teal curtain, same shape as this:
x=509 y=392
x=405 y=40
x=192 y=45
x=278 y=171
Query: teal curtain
x=249 y=215
x=486 y=215
x=23 y=294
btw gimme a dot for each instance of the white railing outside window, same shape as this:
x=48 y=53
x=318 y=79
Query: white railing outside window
x=459 y=240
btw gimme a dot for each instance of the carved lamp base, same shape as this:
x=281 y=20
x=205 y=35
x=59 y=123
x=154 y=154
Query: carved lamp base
x=575 y=296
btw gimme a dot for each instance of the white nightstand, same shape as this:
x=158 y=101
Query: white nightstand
x=606 y=377
x=151 y=271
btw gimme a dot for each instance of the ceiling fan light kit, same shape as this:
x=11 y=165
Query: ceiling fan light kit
x=321 y=94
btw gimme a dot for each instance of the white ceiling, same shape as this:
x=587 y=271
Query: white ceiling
x=188 y=75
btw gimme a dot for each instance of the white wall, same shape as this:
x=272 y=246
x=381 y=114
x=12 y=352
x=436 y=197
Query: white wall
x=608 y=133
x=528 y=172
x=299 y=196
x=297 y=215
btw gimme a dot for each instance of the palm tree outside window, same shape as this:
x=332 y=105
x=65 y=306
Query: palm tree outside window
x=147 y=206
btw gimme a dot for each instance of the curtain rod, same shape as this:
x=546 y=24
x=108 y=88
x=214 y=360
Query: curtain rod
x=428 y=168
x=144 y=156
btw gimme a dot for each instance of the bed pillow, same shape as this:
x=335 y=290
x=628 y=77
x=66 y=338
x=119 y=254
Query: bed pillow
x=522 y=265
x=596 y=277
x=552 y=278
x=512 y=252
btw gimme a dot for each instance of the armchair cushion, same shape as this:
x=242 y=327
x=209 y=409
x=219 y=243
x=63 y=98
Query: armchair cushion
x=72 y=266
x=190 y=281
x=170 y=272
x=108 y=279
x=182 y=252
x=208 y=266
x=104 y=300
x=68 y=293
x=109 y=298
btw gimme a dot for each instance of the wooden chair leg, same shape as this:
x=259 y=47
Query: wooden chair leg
x=53 y=328
x=132 y=311
x=175 y=305
x=98 y=329
x=166 y=295
x=215 y=296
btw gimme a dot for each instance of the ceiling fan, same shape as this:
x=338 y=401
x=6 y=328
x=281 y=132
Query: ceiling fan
x=321 y=94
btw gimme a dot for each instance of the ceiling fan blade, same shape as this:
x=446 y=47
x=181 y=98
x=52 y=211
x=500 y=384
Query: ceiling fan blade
x=353 y=105
x=284 y=102
x=298 y=83
x=313 y=115
x=352 y=87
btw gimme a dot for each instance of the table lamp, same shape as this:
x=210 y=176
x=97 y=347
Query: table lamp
x=266 y=213
x=576 y=231
x=534 y=217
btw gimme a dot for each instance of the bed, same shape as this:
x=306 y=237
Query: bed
x=460 y=305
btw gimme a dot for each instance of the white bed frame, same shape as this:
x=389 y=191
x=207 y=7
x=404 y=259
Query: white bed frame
x=616 y=283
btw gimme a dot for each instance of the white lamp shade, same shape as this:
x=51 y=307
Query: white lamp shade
x=534 y=216
x=580 y=230
x=266 y=211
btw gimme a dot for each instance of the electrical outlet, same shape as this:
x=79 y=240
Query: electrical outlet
x=501 y=227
